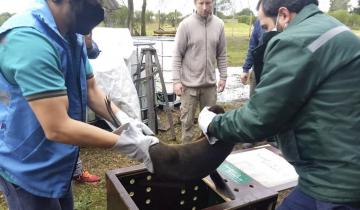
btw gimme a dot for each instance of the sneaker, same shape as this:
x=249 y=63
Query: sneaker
x=86 y=177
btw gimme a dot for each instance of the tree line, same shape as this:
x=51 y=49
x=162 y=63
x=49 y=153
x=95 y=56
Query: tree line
x=341 y=10
x=136 y=20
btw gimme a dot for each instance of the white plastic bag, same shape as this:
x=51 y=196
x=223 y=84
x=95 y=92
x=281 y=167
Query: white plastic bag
x=111 y=72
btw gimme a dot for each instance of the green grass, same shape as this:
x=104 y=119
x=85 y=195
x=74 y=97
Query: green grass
x=237 y=38
x=357 y=32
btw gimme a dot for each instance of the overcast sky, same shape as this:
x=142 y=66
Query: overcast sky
x=184 y=6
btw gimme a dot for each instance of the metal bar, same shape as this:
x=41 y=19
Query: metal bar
x=167 y=107
x=150 y=90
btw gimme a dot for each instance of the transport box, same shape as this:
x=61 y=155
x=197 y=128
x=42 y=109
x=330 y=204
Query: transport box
x=136 y=188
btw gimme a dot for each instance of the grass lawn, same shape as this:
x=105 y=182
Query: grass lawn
x=357 y=32
x=237 y=37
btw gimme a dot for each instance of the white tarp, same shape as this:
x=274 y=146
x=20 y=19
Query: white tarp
x=110 y=70
x=234 y=89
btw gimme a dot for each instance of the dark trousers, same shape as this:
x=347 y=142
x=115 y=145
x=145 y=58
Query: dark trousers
x=297 y=200
x=19 y=199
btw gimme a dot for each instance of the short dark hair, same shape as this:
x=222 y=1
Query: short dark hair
x=196 y=0
x=271 y=7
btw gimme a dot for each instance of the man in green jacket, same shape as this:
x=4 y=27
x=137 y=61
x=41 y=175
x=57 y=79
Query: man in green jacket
x=308 y=95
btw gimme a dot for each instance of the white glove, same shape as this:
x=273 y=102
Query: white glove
x=205 y=118
x=124 y=118
x=133 y=143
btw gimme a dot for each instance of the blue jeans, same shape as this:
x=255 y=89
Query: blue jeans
x=19 y=199
x=297 y=200
x=78 y=168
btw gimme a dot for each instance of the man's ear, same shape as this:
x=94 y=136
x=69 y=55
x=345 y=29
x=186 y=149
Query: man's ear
x=285 y=16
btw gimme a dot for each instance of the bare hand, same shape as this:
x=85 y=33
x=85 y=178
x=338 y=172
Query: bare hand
x=88 y=41
x=179 y=89
x=244 y=77
x=221 y=86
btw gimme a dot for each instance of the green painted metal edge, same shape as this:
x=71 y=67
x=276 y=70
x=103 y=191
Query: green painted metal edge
x=235 y=174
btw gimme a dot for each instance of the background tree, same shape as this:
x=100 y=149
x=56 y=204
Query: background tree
x=224 y=5
x=130 y=18
x=357 y=9
x=173 y=18
x=339 y=5
x=351 y=20
x=215 y=10
x=221 y=15
x=4 y=17
x=116 y=18
x=150 y=16
x=245 y=11
x=143 y=18
x=161 y=18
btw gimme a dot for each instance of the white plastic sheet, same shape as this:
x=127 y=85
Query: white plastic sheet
x=264 y=166
x=110 y=70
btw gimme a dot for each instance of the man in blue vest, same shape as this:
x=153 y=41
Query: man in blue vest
x=46 y=83
x=81 y=175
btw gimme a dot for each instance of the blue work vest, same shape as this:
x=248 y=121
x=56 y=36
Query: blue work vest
x=36 y=164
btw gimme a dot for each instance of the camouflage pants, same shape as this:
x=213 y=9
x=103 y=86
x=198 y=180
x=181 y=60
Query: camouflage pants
x=191 y=98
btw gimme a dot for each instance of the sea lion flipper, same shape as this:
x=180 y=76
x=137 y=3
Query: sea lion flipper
x=221 y=186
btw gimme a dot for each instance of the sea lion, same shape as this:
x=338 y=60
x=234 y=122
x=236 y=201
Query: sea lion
x=189 y=161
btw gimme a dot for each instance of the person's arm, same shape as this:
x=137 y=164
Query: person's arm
x=287 y=82
x=221 y=56
x=253 y=43
x=92 y=48
x=181 y=40
x=52 y=113
x=96 y=97
x=96 y=100
x=93 y=52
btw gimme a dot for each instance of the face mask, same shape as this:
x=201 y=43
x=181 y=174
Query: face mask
x=87 y=18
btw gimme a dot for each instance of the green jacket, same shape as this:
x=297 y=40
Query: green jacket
x=309 y=94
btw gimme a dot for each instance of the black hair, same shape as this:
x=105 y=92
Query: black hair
x=196 y=0
x=271 y=7
x=55 y=1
